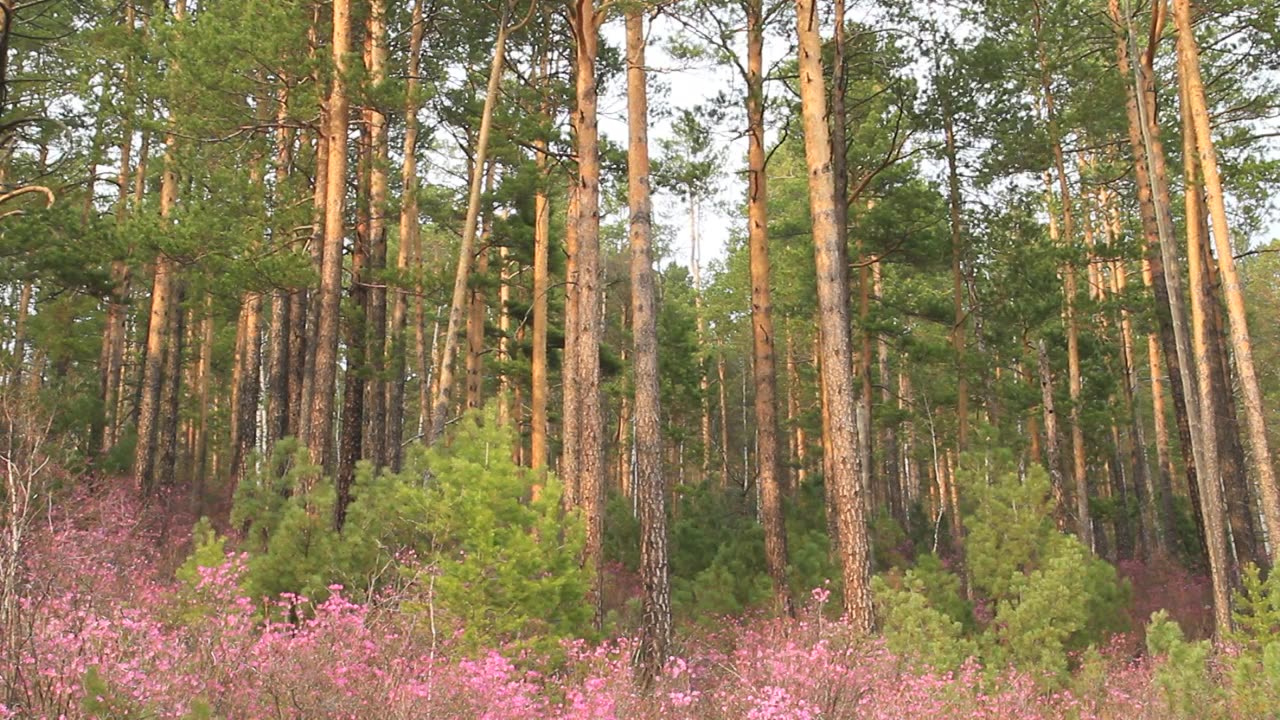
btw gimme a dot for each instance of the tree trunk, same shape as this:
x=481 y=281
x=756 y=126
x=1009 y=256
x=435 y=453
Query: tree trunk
x=1053 y=455
x=954 y=203
x=245 y=436
x=458 y=304
x=1162 y=488
x=478 y=309
x=1212 y=504
x=539 y=386
x=1155 y=536
x=376 y=291
x=113 y=337
x=584 y=321
x=409 y=239
x=768 y=462
x=1175 y=333
x=855 y=551
x=799 y=443
x=171 y=393
x=324 y=385
x=724 y=422
x=204 y=371
x=889 y=444
x=1241 y=344
x=149 y=406
x=655 y=624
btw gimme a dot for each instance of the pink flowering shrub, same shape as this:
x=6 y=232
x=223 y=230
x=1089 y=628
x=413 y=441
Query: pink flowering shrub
x=109 y=632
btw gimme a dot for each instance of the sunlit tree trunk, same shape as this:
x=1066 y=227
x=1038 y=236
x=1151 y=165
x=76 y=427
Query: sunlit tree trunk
x=651 y=492
x=149 y=405
x=768 y=460
x=1212 y=504
x=1080 y=470
x=538 y=380
x=1156 y=534
x=325 y=349
x=245 y=436
x=854 y=546
x=798 y=441
x=1241 y=345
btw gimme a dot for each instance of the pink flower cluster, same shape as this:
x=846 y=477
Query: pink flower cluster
x=99 y=598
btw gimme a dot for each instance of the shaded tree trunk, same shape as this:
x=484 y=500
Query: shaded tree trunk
x=410 y=239
x=583 y=322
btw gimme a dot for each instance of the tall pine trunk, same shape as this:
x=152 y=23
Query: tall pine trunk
x=585 y=446
x=409 y=240
x=768 y=460
x=376 y=293
x=458 y=304
x=1241 y=344
x=651 y=492
x=854 y=546
x=325 y=383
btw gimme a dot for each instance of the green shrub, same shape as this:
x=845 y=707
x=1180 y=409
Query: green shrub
x=1043 y=595
x=1182 y=671
x=458 y=520
x=1255 y=667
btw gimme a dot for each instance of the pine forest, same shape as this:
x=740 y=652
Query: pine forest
x=639 y=359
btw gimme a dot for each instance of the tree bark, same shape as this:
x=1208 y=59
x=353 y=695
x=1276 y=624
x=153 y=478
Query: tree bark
x=171 y=393
x=855 y=551
x=245 y=436
x=376 y=291
x=279 y=333
x=1053 y=455
x=1210 y=472
x=458 y=304
x=954 y=204
x=149 y=405
x=538 y=376
x=397 y=343
x=655 y=624
x=478 y=309
x=1080 y=470
x=1241 y=344
x=325 y=352
x=583 y=323
x=768 y=461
